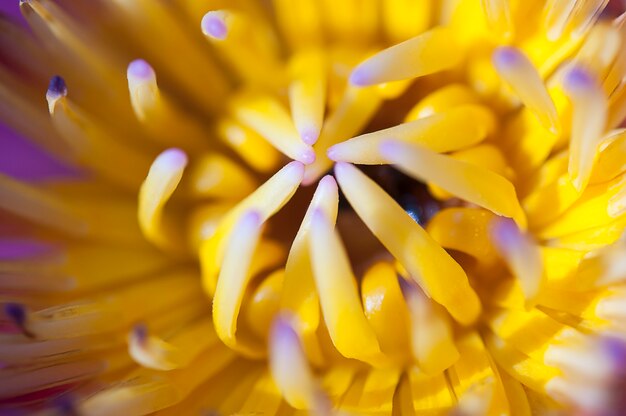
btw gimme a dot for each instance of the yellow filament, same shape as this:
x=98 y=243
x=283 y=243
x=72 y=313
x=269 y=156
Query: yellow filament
x=466 y=181
x=522 y=76
x=251 y=147
x=349 y=330
x=443 y=99
x=498 y=14
x=351 y=115
x=588 y=123
x=235 y=275
x=427 y=53
x=242 y=40
x=176 y=353
x=307 y=93
x=36 y=205
x=463 y=127
x=95 y=146
x=218 y=176
x=162 y=180
x=432 y=341
x=290 y=368
x=267 y=199
x=161 y=117
x=383 y=303
x=522 y=256
x=271 y=120
x=421 y=256
x=573 y=16
x=299 y=295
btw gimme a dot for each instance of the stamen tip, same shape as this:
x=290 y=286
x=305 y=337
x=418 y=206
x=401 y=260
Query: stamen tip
x=140 y=70
x=309 y=136
x=578 y=78
x=333 y=153
x=360 y=77
x=57 y=88
x=173 y=158
x=389 y=148
x=504 y=231
x=506 y=56
x=296 y=167
x=140 y=332
x=16 y=312
x=213 y=25
x=307 y=156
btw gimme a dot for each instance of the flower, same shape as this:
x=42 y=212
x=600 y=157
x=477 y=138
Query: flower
x=354 y=207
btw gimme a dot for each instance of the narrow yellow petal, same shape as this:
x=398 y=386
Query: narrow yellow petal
x=290 y=369
x=434 y=270
x=427 y=53
x=271 y=120
x=235 y=275
x=499 y=17
x=588 y=123
x=461 y=127
x=432 y=340
x=266 y=200
x=349 y=330
x=299 y=295
x=307 y=94
x=521 y=254
x=522 y=76
x=466 y=181
x=162 y=180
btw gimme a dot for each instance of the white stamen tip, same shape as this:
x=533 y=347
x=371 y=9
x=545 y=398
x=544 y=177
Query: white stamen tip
x=172 y=159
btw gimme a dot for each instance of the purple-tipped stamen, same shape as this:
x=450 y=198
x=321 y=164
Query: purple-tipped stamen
x=57 y=87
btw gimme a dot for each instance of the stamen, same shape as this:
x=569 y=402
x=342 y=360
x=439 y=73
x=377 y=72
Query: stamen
x=522 y=76
x=421 y=256
x=56 y=90
x=299 y=295
x=235 y=275
x=575 y=16
x=241 y=40
x=432 y=51
x=462 y=127
x=467 y=181
x=339 y=296
x=266 y=200
x=270 y=119
x=184 y=347
x=162 y=180
x=92 y=144
x=498 y=14
x=161 y=117
x=432 y=341
x=354 y=111
x=588 y=123
x=251 y=147
x=521 y=254
x=218 y=176
x=307 y=94
x=40 y=207
x=290 y=369
x=19 y=317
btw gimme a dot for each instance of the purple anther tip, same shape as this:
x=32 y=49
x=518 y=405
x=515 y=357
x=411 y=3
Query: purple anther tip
x=309 y=136
x=16 y=312
x=505 y=232
x=140 y=331
x=615 y=348
x=578 y=77
x=57 y=87
x=506 y=56
x=214 y=26
x=360 y=77
x=282 y=330
x=140 y=69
